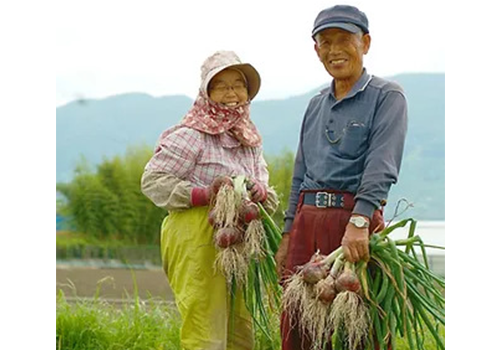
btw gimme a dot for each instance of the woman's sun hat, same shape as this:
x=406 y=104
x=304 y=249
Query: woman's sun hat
x=228 y=59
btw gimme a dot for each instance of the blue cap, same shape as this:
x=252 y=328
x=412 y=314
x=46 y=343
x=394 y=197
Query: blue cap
x=341 y=16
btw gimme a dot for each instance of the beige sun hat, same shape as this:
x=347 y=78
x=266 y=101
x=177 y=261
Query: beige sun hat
x=228 y=59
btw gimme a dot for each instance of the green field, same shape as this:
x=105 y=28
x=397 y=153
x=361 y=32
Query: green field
x=138 y=325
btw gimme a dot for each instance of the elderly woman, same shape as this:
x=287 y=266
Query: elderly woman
x=215 y=138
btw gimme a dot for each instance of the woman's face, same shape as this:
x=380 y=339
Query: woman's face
x=229 y=88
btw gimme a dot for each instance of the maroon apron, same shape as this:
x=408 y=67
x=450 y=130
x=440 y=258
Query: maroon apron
x=316 y=229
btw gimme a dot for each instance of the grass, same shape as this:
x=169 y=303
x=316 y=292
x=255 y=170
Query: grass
x=97 y=325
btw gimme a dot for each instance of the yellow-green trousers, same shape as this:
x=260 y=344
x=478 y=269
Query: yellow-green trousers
x=201 y=292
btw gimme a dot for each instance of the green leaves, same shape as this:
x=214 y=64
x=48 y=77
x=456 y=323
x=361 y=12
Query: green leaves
x=107 y=203
x=280 y=178
x=409 y=297
x=263 y=293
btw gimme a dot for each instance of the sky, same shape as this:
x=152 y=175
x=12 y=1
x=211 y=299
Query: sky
x=105 y=48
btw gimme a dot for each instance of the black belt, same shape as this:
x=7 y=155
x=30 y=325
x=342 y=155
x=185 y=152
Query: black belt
x=323 y=199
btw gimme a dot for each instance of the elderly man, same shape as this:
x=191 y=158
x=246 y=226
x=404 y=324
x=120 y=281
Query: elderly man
x=349 y=154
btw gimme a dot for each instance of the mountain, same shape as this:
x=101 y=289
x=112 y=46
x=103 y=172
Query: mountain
x=98 y=128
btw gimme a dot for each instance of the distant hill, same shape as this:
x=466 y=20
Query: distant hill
x=98 y=128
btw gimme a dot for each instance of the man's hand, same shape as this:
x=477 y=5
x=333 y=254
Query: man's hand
x=281 y=254
x=355 y=243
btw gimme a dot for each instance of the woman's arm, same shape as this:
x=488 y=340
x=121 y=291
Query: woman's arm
x=166 y=190
x=165 y=178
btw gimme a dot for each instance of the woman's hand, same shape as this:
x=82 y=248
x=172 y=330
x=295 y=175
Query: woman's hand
x=201 y=196
x=258 y=192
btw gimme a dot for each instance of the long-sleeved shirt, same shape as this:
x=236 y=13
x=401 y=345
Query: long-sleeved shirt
x=354 y=144
x=185 y=158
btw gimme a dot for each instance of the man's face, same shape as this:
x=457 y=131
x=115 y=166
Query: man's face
x=341 y=52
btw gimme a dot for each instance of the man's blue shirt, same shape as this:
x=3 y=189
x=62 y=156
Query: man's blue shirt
x=354 y=144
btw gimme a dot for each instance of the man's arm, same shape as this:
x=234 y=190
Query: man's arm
x=382 y=166
x=385 y=153
x=297 y=179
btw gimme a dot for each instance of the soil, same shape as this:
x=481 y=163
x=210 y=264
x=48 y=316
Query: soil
x=115 y=283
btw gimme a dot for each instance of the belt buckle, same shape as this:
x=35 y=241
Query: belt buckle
x=326 y=200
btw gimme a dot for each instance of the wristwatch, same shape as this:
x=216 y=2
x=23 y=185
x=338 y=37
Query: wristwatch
x=359 y=221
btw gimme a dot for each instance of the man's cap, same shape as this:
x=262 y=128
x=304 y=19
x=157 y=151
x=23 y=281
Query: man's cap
x=341 y=16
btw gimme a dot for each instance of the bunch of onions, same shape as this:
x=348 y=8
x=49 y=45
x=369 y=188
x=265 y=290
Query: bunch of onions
x=239 y=232
x=349 y=312
x=365 y=305
x=249 y=214
x=308 y=296
x=228 y=234
x=247 y=239
x=324 y=295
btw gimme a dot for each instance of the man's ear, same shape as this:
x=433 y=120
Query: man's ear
x=367 y=40
x=316 y=48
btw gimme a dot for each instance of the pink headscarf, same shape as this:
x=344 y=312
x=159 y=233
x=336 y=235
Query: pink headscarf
x=215 y=118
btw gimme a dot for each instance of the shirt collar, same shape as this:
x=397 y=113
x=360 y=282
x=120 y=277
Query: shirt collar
x=360 y=85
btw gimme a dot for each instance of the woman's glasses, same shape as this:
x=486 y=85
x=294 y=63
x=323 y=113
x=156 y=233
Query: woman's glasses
x=224 y=88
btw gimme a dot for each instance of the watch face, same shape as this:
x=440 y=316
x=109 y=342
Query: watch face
x=359 y=222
